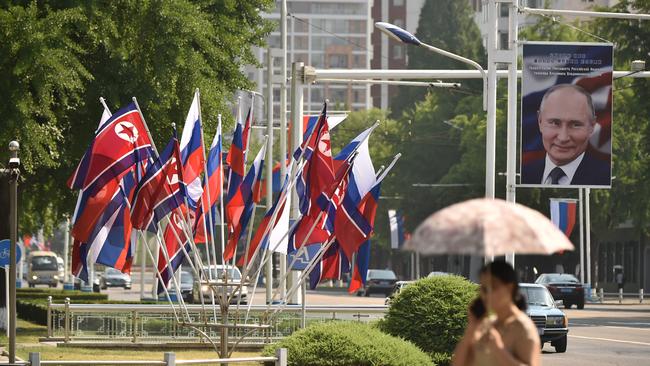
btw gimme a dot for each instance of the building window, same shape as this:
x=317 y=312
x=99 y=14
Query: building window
x=399 y=23
x=398 y=2
x=398 y=52
x=338 y=61
x=503 y=10
x=503 y=40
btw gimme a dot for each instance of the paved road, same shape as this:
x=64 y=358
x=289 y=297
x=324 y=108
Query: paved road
x=599 y=334
x=605 y=335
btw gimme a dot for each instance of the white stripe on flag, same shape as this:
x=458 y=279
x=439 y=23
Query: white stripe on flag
x=394 y=229
x=555 y=213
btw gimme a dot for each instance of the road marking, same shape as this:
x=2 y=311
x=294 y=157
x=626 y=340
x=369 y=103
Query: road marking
x=611 y=340
x=629 y=323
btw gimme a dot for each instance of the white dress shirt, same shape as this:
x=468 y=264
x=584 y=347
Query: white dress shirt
x=568 y=169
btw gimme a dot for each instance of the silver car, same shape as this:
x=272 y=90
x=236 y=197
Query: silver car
x=552 y=324
x=218 y=283
x=114 y=278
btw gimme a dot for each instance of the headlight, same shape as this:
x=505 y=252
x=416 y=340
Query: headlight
x=555 y=321
x=34 y=277
x=55 y=277
x=205 y=289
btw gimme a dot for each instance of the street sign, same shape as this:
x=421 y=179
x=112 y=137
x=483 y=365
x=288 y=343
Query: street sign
x=304 y=259
x=4 y=252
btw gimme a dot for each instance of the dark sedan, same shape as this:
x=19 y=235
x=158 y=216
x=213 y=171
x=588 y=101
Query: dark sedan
x=564 y=287
x=379 y=281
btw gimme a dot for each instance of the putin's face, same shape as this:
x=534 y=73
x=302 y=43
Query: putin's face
x=566 y=124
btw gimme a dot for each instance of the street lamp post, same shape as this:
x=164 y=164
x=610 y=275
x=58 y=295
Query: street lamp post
x=13 y=172
x=406 y=37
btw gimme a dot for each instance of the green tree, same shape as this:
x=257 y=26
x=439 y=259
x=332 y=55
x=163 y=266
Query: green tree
x=59 y=57
x=449 y=25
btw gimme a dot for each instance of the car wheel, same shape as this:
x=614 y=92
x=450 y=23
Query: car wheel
x=581 y=305
x=567 y=305
x=31 y=285
x=560 y=345
x=366 y=293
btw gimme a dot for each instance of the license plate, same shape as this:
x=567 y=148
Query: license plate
x=540 y=331
x=384 y=282
x=566 y=290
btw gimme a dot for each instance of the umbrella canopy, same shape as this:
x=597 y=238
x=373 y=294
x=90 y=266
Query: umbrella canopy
x=488 y=227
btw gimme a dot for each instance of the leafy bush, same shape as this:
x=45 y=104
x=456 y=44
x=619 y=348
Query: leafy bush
x=431 y=313
x=58 y=295
x=347 y=344
x=33 y=311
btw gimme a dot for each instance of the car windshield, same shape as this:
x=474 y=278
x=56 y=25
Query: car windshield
x=381 y=274
x=538 y=296
x=186 y=277
x=561 y=278
x=45 y=263
x=233 y=273
x=113 y=271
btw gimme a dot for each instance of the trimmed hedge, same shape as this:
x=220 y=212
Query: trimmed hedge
x=43 y=293
x=339 y=343
x=431 y=313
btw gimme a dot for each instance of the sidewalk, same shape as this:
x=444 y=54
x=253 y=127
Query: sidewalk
x=4 y=357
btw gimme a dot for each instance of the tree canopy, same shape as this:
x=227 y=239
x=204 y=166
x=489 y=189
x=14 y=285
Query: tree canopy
x=59 y=57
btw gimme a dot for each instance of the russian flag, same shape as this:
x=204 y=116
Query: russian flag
x=236 y=158
x=192 y=156
x=161 y=190
x=563 y=214
x=240 y=207
x=397 y=233
x=212 y=188
x=119 y=144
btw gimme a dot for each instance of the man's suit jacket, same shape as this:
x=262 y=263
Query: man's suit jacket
x=590 y=172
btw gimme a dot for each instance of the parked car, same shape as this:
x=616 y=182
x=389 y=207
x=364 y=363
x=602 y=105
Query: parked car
x=552 y=324
x=187 y=286
x=399 y=286
x=379 y=281
x=219 y=272
x=564 y=287
x=438 y=273
x=114 y=278
x=78 y=282
x=43 y=269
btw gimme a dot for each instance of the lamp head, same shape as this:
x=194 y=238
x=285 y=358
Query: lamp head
x=398 y=33
x=14 y=146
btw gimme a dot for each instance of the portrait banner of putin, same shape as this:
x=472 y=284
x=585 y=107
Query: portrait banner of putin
x=566 y=115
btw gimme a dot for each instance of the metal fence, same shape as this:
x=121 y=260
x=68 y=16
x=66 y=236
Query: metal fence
x=141 y=323
x=280 y=359
x=620 y=295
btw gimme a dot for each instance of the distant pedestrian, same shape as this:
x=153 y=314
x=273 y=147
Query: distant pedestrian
x=620 y=280
x=508 y=337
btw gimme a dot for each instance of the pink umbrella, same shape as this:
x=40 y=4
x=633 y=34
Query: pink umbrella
x=488 y=227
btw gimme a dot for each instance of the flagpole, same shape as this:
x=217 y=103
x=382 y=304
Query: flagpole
x=269 y=164
x=163 y=249
x=221 y=218
x=209 y=213
x=159 y=277
x=582 y=242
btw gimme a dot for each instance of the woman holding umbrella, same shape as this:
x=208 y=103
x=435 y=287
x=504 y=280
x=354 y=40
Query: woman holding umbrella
x=499 y=333
x=508 y=337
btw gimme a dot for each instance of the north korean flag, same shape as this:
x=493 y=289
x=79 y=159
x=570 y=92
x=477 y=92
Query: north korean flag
x=161 y=190
x=119 y=143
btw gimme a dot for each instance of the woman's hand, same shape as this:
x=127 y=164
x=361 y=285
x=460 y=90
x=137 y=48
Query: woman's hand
x=494 y=340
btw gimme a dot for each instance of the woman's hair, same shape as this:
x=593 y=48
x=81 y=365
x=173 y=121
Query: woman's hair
x=504 y=272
